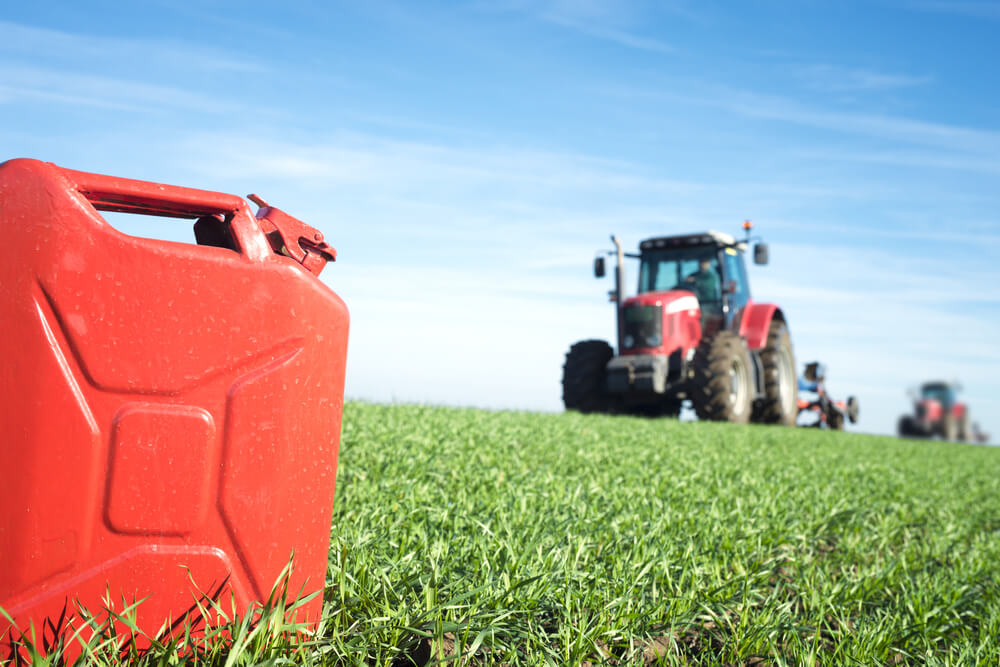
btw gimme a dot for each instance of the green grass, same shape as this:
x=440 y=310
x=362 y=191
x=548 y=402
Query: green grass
x=527 y=539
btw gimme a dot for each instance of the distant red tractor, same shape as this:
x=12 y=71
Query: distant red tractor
x=937 y=412
x=691 y=333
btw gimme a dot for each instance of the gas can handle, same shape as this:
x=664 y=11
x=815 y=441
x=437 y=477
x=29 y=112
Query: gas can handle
x=126 y=195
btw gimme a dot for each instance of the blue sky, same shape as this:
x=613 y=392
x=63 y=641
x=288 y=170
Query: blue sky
x=467 y=159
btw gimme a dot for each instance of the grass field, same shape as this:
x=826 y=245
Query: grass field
x=529 y=539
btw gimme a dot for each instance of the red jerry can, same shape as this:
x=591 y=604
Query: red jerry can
x=169 y=412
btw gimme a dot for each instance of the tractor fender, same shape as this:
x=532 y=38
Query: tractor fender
x=756 y=322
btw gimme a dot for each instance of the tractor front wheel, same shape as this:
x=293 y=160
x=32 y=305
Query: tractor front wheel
x=781 y=391
x=584 y=387
x=721 y=382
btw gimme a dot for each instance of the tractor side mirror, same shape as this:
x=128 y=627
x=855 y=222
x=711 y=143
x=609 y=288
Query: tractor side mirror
x=598 y=267
x=760 y=253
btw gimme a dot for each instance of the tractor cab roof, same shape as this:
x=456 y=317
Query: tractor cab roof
x=709 y=238
x=936 y=385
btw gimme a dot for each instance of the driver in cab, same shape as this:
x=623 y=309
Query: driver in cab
x=704 y=282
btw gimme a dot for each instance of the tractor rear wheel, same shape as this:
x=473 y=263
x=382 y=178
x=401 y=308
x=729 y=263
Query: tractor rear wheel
x=781 y=391
x=584 y=375
x=721 y=382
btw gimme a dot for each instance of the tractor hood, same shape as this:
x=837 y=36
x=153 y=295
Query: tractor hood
x=660 y=322
x=672 y=301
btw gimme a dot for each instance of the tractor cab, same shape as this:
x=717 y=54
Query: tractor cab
x=941 y=392
x=709 y=265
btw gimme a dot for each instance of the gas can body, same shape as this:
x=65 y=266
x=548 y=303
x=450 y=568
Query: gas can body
x=169 y=413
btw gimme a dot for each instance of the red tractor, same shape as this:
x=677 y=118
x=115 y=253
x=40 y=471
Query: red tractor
x=691 y=333
x=937 y=412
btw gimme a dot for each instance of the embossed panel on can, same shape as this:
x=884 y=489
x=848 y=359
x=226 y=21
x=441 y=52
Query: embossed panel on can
x=158 y=473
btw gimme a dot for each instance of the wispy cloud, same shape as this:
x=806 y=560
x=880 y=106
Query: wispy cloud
x=607 y=20
x=786 y=109
x=41 y=64
x=25 y=83
x=894 y=127
x=40 y=43
x=622 y=37
x=838 y=79
x=352 y=158
x=941 y=159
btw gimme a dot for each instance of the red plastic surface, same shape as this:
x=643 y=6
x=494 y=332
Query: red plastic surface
x=169 y=412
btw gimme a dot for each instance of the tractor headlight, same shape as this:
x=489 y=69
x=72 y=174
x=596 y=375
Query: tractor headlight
x=653 y=340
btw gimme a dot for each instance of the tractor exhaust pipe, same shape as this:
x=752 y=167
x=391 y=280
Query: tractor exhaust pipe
x=619 y=291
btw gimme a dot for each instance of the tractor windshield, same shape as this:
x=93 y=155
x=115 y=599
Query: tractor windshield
x=938 y=392
x=695 y=269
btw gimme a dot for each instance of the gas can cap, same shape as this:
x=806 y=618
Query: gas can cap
x=293 y=238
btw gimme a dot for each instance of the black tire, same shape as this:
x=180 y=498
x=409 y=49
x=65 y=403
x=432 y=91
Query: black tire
x=835 y=420
x=584 y=376
x=781 y=390
x=905 y=427
x=853 y=409
x=722 y=380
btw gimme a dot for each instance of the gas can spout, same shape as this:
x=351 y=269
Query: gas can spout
x=293 y=238
x=257 y=200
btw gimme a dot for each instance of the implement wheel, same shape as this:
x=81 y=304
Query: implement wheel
x=853 y=409
x=781 y=390
x=584 y=386
x=722 y=385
